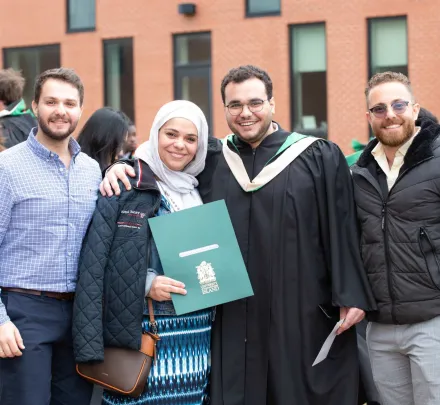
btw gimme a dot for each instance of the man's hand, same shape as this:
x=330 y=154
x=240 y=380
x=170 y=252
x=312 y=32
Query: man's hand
x=10 y=341
x=110 y=182
x=352 y=316
x=162 y=287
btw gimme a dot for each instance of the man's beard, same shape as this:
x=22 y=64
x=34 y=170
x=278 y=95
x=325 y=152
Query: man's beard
x=56 y=136
x=397 y=139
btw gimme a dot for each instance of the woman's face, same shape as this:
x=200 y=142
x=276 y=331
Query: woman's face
x=178 y=140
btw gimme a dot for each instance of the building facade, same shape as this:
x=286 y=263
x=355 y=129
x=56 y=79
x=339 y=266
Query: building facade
x=138 y=54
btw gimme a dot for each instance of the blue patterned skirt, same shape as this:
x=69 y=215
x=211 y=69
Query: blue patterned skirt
x=180 y=375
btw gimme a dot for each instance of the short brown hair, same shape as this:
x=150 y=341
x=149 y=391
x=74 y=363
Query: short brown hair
x=387 y=77
x=11 y=85
x=63 y=74
x=246 y=72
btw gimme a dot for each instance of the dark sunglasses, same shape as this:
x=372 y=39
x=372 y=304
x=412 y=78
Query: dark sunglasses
x=398 y=107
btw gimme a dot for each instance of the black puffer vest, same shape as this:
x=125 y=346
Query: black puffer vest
x=400 y=238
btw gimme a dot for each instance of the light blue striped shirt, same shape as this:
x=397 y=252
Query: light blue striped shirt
x=45 y=210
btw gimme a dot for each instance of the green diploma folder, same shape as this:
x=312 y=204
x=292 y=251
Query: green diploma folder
x=198 y=247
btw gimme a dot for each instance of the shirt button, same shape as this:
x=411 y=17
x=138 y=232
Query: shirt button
x=71 y=225
x=69 y=254
x=61 y=169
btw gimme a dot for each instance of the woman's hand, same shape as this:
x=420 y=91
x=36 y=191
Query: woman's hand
x=162 y=287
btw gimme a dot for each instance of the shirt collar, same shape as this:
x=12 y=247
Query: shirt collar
x=379 y=150
x=41 y=151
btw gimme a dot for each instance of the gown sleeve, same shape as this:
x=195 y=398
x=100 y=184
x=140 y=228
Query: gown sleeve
x=338 y=219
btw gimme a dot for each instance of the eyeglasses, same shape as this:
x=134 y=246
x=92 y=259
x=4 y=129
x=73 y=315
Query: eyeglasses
x=254 y=106
x=398 y=107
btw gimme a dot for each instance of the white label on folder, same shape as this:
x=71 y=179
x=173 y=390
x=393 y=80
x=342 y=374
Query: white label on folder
x=199 y=250
x=322 y=355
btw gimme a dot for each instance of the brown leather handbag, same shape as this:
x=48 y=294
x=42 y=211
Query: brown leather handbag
x=124 y=371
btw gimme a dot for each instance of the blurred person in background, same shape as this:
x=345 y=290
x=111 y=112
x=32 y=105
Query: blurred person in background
x=131 y=143
x=103 y=136
x=16 y=121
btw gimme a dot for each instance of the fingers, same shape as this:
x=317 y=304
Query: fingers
x=109 y=184
x=172 y=282
x=13 y=348
x=113 y=184
x=129 y=170
x=176 y=290
x=163 y=287
x=18 y=339
x=104 y=188
x=121 y=174
x=6 y=351
x=10 y=341
x=343 y=313
x=352 y=317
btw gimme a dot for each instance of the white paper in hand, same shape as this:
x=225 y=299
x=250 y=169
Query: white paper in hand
x=322 y=355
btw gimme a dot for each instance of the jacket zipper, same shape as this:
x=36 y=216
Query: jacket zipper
x=387 y=260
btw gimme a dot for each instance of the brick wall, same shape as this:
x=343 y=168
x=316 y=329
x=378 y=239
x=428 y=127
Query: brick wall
x=235 y=40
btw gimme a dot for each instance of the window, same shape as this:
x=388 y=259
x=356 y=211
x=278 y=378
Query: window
x=118 y=75
x=263 y=7
x=388 y=45
x=192 y=71
x=309 y=79
x=81 y=15
x=32 y=61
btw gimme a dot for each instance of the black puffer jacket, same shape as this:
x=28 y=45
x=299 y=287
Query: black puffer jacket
x=109 y=301
x=401 y=230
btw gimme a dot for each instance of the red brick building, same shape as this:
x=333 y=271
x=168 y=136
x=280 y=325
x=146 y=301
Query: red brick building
x=138 y=54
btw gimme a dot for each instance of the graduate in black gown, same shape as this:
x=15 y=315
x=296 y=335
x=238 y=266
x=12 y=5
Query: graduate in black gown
x=299 y=240
x=298 y=236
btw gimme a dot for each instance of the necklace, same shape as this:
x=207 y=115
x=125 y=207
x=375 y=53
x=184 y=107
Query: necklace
x=174 y=206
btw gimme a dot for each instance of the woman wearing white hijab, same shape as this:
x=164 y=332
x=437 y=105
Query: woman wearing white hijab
x=166 y=168
x=175 y=153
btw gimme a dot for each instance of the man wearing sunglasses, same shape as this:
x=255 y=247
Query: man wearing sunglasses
x=397 y=192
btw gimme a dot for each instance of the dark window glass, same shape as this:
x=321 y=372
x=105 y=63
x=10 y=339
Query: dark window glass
x=192 y=70
x=263 y=7
x=32 y=61
x=309 y=79
x=192 y=49
x=81 y=15
x=118 y=75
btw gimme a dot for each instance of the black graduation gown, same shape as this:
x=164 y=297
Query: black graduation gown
x=299 y=241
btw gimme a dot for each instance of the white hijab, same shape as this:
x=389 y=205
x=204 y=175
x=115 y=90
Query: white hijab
x=183 y=183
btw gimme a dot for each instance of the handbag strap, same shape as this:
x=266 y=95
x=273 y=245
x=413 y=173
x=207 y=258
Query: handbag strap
x=152 y=323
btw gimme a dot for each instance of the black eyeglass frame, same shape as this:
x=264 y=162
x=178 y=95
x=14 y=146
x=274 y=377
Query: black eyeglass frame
x=383 y=114
x=250 y=109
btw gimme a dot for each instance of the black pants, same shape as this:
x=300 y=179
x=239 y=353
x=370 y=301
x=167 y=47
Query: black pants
x=45 y=373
